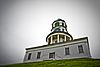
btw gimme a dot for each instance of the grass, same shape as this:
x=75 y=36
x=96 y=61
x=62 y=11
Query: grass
x=83 y=62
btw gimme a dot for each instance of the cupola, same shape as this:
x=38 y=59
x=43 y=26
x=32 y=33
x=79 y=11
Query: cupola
x=58 y=33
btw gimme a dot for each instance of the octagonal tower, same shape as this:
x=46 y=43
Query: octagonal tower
x=58 y=33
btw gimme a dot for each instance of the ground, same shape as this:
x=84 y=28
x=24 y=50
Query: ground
x=83 y=62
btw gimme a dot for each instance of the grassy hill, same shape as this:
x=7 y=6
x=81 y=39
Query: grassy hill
x=84 y=62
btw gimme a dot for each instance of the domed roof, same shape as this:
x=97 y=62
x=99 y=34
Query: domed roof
x=58 y=20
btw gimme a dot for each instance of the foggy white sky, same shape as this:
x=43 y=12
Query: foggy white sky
x=26 y=23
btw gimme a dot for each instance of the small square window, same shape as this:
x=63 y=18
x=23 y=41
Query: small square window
x=52 y=55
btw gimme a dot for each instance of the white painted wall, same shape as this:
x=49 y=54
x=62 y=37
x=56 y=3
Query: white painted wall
x=59 y=50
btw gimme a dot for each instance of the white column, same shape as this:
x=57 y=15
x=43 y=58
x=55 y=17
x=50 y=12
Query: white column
x=58 y=38
x=65 y=38
x=51 y=40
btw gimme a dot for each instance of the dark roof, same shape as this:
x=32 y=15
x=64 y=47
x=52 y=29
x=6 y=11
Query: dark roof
x=59 y=20
x=59 y=32
x=57 y=43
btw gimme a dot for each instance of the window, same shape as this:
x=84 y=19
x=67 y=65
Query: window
x=54 y=38
x=62 y=29
x=67 y=51
x=29 y=56
x=56 y=24
x=38 y=55
x=52 y=55
x=61 y=37
x=67 y=38
x=80 y=48
x=62 y=24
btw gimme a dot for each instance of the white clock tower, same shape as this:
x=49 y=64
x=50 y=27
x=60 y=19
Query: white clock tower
x=61 y=45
